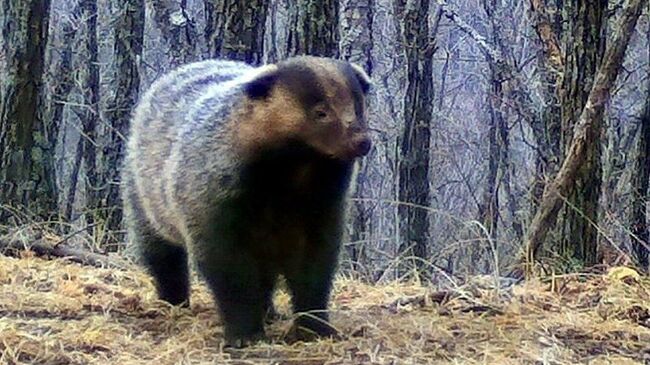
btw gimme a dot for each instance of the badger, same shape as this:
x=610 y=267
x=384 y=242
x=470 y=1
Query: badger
x=244 y=170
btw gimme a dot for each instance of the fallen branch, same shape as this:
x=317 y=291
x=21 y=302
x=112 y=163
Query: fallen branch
x=12 y=244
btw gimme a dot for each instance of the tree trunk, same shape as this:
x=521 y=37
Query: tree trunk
x=488 y=208
x=499 y=165
x=178 y=30
x=127 y=49
x=547 y=131
x=640 y=233
x=74 y=180
x=235 y=29
x=26 y=139
x=356 y=46
x=62 y=82
x=276 y=30
x=88 y=73
x=584 y=43
x=586 y=132
x=639 y=216
x=415 y=139
x=313 y=28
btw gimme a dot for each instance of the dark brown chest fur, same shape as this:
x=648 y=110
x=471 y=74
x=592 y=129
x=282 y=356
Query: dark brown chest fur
x=287 y=200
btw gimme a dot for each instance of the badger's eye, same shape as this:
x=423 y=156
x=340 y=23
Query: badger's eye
x=320 y=113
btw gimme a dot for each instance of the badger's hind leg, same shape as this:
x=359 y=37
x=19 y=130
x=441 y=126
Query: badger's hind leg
x=168 y=265
x=166 y=262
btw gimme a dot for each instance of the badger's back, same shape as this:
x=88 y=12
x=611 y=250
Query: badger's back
x=173 y=126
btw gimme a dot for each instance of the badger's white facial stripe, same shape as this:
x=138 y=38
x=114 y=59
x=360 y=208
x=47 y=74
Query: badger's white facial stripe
x=361 y=73
x=259 y=72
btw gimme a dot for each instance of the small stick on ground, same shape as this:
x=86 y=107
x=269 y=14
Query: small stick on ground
x=10 y=244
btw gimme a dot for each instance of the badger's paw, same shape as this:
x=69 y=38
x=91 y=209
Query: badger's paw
x=241 y=341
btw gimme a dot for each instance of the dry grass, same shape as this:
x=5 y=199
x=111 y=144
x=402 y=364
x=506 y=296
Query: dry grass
x=55 y=312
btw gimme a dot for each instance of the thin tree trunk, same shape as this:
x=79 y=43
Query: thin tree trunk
x=640 y=233
x=70 y=196
x=88 y=112
x=415 y=139
x=586 y=132
x=356 y=46
x=26 y=161
x=488 y=209
x=62 y=83
x=127 y=49
x=547 y=130
x=639 y=215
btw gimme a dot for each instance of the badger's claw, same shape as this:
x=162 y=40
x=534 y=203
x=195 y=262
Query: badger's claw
x=238 y=342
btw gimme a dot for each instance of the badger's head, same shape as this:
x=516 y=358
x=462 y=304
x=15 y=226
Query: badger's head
x=320 y=102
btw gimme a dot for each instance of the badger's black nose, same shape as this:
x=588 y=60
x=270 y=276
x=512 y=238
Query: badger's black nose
x=363 y=147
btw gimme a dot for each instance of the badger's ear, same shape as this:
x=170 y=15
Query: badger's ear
x=261 y=82
x=362 y=76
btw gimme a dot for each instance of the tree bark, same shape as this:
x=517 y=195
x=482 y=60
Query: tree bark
x=547 y=129
x=313 y=28
x=61 y=79
x=235 y=29
x=88 y=74
x=543 y=24
x=488 y=209
x=414 y=142
x=178 y=30
x=639 y=215
x=584 y=43
x=127 y=50
x=640 y=233
x=586 y=132
x=26 y=156
x=356 y=46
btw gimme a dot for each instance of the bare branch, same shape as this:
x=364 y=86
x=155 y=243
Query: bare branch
x=585 y=131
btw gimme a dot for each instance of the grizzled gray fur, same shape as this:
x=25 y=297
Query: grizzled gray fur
x=245 y=170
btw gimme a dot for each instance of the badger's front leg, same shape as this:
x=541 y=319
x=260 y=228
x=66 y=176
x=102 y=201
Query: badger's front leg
x=239 y=286
x=309 y=277
x=238 y=279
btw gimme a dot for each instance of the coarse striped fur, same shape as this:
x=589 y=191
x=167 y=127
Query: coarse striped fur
x=245 y=170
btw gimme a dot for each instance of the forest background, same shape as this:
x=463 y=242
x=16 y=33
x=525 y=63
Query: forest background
x=504 y=131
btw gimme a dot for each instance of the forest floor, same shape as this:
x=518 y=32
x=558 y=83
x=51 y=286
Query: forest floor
x=57 y=312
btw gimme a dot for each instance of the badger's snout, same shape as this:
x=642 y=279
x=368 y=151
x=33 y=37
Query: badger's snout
x=362 y=146
x=358 y=146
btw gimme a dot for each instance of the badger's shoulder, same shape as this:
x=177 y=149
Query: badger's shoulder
x=185 y=85
x=203 y=72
